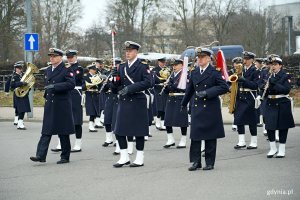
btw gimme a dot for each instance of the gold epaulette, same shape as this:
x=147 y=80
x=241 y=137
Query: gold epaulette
x=144 y=62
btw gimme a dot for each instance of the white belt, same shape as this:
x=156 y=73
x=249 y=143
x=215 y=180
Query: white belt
x=78 y=88
x=246 y=90
x=176 y=94
x=278 y=96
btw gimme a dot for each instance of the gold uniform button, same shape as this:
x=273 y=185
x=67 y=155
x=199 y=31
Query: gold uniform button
x=204 y=106
x=196 y=85
x=52 y=101
x=196 y=105
x=124 y=99
x=130 y=99
x=204 y=85
x=52 y=94
x=204 y=99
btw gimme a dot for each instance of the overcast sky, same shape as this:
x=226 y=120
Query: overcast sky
x=92 y=9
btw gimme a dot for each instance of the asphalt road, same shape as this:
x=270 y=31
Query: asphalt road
x=244 y=174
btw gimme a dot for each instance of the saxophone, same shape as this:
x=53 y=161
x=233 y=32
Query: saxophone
x=234 y=87
x=27 y=78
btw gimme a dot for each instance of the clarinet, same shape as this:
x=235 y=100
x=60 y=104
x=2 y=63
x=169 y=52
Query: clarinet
x=266 y=86
x=166 y=83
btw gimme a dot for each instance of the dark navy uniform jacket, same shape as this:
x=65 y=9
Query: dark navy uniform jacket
x=20 y=103
x=245 y=112
x=91 y=97
x=111 y=100
x=278 y=113
x=58 y=116
x=173 y=116
x=76 y=94
x=7 y=83
x=132 y=114
x=206 y=115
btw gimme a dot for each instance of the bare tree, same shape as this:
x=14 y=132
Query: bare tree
x=11 y=26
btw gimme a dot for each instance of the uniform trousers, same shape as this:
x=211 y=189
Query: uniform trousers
x=170 y=130
x=78 y=131
x=252 y=128
x=139 y=141
x=210 y=151
x=43 y=145
x=282 y=135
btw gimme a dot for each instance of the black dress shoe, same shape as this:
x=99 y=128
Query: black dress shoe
x=115 y=144
x=37 y=159
x=56 y=150
x=251 y=147
x=277 y=156
x=180 y=147
x=195 y=166
x=62 y=161
x=234 y=129
x=116 y=153
x=92 y=130
x=75 y=151
x=169 y=145
x=118 y=165
x=99 y=126
x=15 y=124
x=21 y=128
x=259 y=125
x=271 y=156
x=208 y=167
x=136 y=165
x=239 y=147
x=105 y=144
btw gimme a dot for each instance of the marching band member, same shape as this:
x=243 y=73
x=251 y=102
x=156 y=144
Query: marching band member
x=102 y=96
x=21 y=104
x=259 y=67
x=76 y=95
x=173 y=116
x=245 y=112
x=92 y=97
x=206 y=84
x=235 y=62
x=278 y=108
x=132 y=79
x=109 y=117
x=58 y=117
x=161 y=99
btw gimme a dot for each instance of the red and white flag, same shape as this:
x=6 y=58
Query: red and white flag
x=221 y=64
x=184 y=73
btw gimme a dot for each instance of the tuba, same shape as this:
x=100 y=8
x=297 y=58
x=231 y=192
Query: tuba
x=28 y=78
x=234 y=87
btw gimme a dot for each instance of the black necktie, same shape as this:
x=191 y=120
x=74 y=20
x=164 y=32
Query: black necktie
x=201 y=71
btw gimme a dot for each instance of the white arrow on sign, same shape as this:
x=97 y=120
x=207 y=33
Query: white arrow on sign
x=31 y=40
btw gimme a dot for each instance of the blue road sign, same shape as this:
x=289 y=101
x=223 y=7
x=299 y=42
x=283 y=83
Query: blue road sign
x=31 y=42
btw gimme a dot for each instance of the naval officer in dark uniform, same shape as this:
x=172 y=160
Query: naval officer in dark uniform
x=58 y=116
x=278 y=110
x=205 y=84
x=245 y=112
x=173 y=116
x=132 y=79
x=91 y=96
x=76 y=95
x=21 y=104
x=160 y=98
